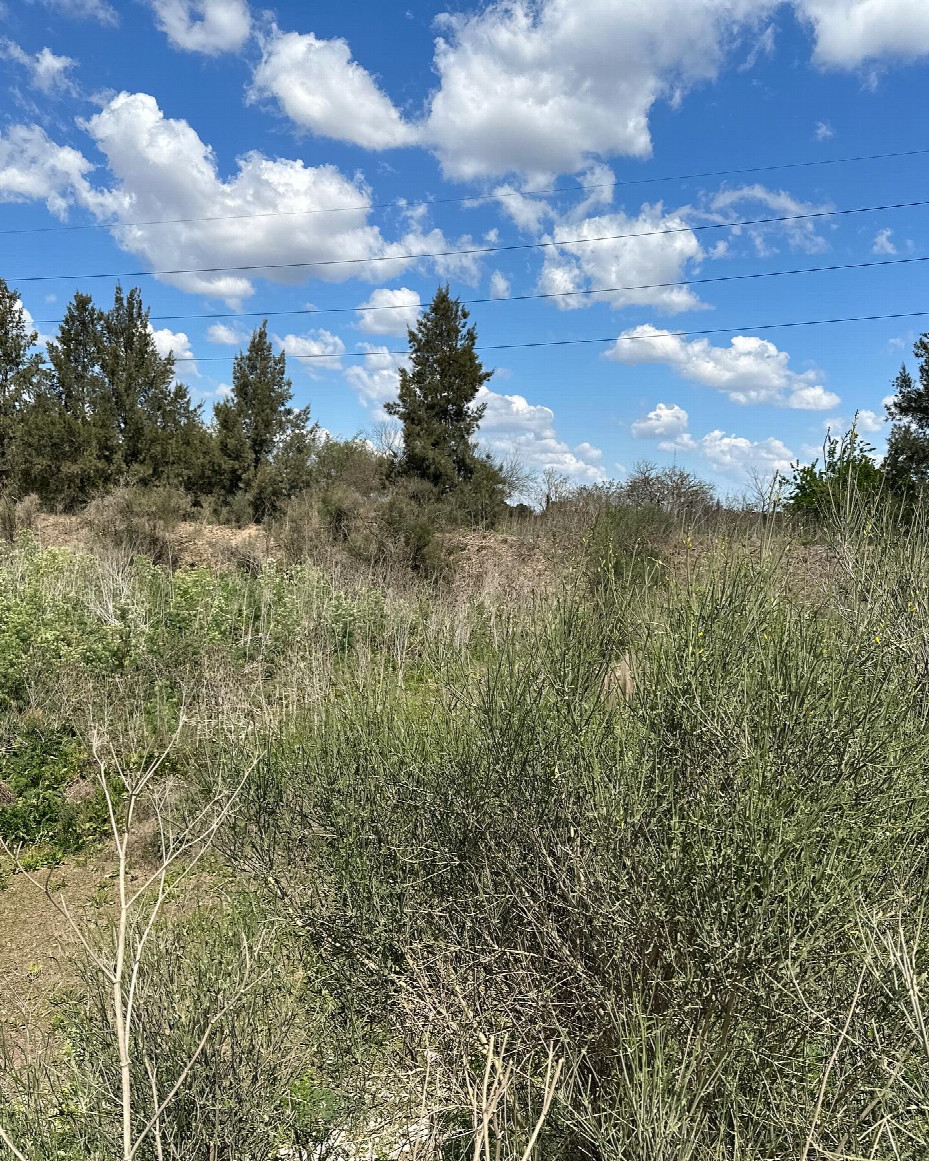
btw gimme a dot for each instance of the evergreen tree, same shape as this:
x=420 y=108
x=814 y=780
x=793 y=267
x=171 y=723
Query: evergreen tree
x=907 y=459
x=111 y=410
x=21 y=375
x=155 y=421
x=70 y=431
x=436 y=397
x=264 y=445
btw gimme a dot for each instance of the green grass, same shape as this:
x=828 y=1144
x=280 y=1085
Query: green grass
x=701 y=889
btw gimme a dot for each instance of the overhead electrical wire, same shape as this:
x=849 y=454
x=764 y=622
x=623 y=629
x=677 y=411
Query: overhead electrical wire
x=472 y=251
x=818 y=322
x=474 y=199
x=555 y=294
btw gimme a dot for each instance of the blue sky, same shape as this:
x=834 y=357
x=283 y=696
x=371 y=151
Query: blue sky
x=319 y=134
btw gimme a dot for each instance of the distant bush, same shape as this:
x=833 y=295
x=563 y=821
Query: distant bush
x=139 y=521
x=670 y=489
x=848 y=476
x=17 y=516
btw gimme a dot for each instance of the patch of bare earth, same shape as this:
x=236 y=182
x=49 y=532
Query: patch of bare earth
x=36 y=940
x=212 y=545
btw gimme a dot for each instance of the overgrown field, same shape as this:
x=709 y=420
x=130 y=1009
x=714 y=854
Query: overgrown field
x=631 y=867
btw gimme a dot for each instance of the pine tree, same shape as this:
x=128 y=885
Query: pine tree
x=907 y=459
x=264 y=445
x=21 y=374
x=436 y=397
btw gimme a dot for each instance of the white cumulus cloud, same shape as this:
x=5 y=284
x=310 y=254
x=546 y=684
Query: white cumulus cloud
x=749 y=370
x=667 y=420
x=758 y=202
x=315 y=349
x=736 y=456
x=637 y=257
x=866 y=422
x=850 y=32
x=227 y=336
x=33 y=167
x=47 y=72
x=514 y=427
x=542 y=86
x=163 y=170
x=376 y=378
x=499 y=285
x=813 y=398
x=321 y=88
x=527 y=212
x=883 y=243
x=389 y=312
x=176 y=343
x=262 y=221
x=208 y=26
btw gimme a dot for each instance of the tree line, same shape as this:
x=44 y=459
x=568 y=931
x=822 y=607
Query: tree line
x=850 y=466
x=103 y=408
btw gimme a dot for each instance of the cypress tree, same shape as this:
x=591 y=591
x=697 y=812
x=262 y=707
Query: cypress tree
x=21 y=374
x=110 y=411
x=436 y=397
x=74 y=448
x=153 y=414
x=264 y=445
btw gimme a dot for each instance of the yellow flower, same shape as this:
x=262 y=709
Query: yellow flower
x=877 y=640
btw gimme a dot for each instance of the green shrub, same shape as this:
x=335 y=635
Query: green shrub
x=51 y=800
x=848 y=477
x=669 y=886
x=46 y=629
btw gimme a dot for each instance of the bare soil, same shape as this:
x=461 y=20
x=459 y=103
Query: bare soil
x=37 y=942
x=195 y=543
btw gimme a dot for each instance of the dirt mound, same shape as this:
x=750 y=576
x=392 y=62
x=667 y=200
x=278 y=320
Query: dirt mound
x=194 y=543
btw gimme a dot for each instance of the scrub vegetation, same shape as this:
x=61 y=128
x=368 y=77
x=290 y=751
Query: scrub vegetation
x=413 y=823
x=628 y=864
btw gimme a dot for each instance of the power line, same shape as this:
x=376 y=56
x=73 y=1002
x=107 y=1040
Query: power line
x=477 y=198
x=816 y=322
x=514 y=246
x=314 y=310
